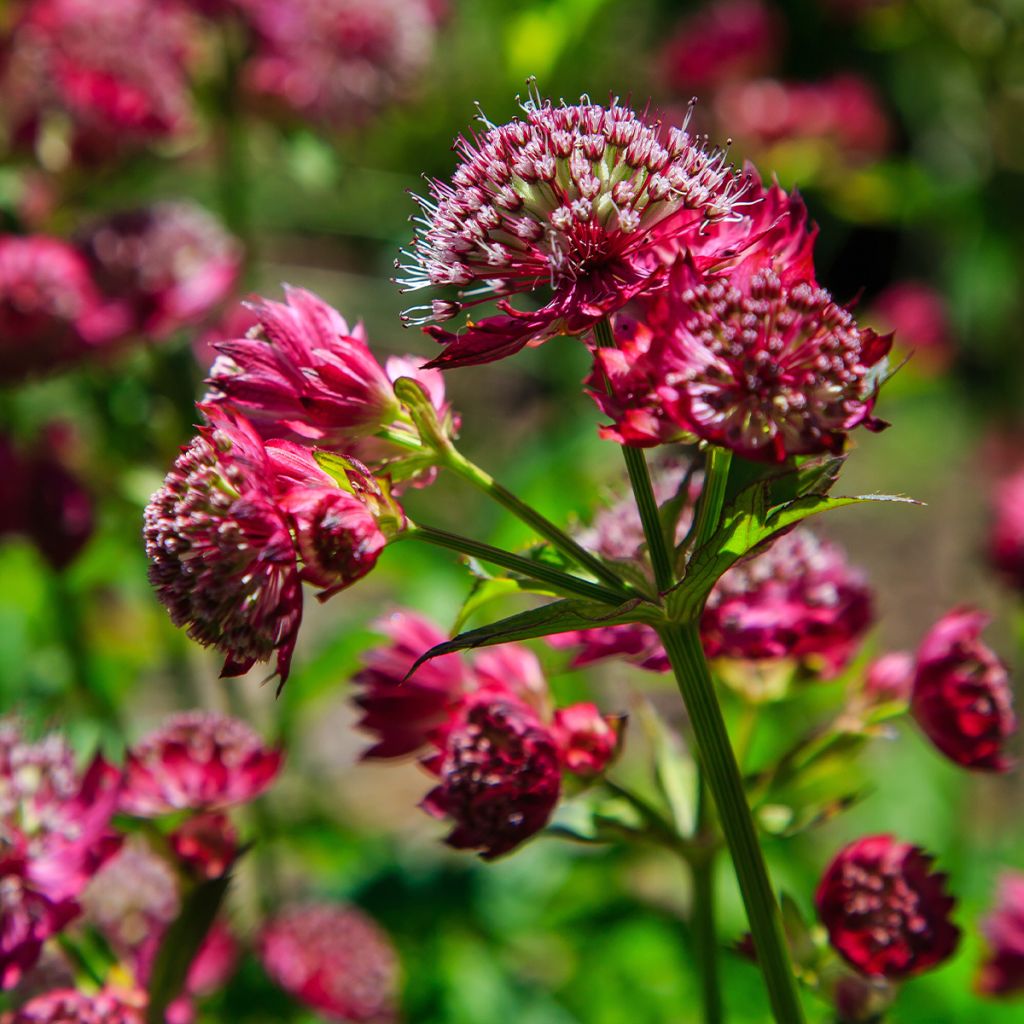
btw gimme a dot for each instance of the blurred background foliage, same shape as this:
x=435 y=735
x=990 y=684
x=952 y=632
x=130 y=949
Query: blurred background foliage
x=933 y=194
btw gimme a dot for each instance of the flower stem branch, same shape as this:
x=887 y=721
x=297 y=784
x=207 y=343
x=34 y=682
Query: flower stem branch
x=537 y=571
x=712 y=497
x=640 y=481
x=683 y=647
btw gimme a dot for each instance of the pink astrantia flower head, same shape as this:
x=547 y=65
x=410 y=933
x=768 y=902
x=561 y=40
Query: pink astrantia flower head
x=587 y=740
x=800 y=599
x=171 y=264
x=114 y=70
x=51 y=312
x=333 y=959
x=890 y=678
x=221 y=553
x=961 y=697
x=887 y=913
x=404 y=714
x=635 y=642
x=499 y=776
x=754 y=361
x=197 y=761
x=579 y=198
x=338 y=62
x=67 y=1006
x=207 y=844
x=1002 y=972
x=1006 y=540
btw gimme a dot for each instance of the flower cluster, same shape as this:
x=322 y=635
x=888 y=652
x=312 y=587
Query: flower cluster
x=494 y=745
x=111 y=1006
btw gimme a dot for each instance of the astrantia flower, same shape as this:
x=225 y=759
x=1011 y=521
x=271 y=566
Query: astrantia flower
x=887 y=913
x=918 y=316
x=759 y=363
x=800 y=599
x=582 y=199
x=337 y=62
x=587 y=740
x=197 y=761
x=1006 y=541
x=171 y=264
x=114 y=69
x=207 y=844
x=961 y=697
x=51 y=313
x=221 y=554
x=1002 y=972
x=890 y=677
x=71 y=1007
x=499 y=776
x=333 y=959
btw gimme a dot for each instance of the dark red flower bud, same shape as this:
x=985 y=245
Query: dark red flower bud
x=207 y=843
x=886 y=911
x=961 y=697
x=587 y=740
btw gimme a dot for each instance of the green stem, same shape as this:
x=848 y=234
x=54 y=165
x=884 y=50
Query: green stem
x=233 y=184
x=712 y=497
x=640 y=481
x=659 y=827
x=682 y=644
x=703 y=922
x=514 y=563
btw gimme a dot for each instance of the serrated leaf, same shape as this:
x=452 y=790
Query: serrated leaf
x=181 y=943
x=558 y=617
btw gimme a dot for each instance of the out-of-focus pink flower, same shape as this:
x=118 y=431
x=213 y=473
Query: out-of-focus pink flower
x=1002 y=971
x=917 y=316
x=887 y=913
x=1006 y=540
x=197 y=761
x=634 y=642
x=213 y=966
x=844 y=111
x=207 y=843
x=890 y=677
x=526 y=209
x=499 y=776
x=799 y=599
x=114 y=69
x=727 y=39
x=961 y=697
x=333 y=959
x=51 y=312
x=337 y=62
x=403 y=715
x=54 y=834
x=587 y=740
x=67 y=1006
x=171 y=264
x=238 y=320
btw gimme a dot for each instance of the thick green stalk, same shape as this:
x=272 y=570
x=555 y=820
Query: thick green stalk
x=545 y=574
x=683 y=647
x=640 y=481
x=705 y=937
x=709 y=507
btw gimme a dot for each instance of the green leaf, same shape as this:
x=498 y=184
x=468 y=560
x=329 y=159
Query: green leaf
x=420 y=408
x=675 y=773
x=336 y=466
x=180 y=944
x=558 y=617
x=485 y=589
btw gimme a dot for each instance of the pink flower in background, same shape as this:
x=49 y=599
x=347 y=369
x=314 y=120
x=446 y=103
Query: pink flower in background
x=197 y=761
x=887 y=913
x=115 y=69
x=634 y=642
x=171 y=264
x=890 y=677
x=67 y=1006
x=236 y=322
x=1006 y=538
x=207 y=844
x=51 y=312
x=579 y=198
x=724 y=40
x=337 y=62
x=1002 y=971
x=917 y=315
x=333 y=959
x=799 y=599
x=587 y=740
x=961 y=697
x=499 y=776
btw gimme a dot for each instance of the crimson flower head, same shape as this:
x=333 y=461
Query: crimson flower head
x=51 y=312
x=197 y=761
x=756 y=361
x=338 y=62
x=113 y=69
x=961 y=697
x=499 y=776
x=207 y=844
x=405 y=714
x=800 y=599
x=1006 y=540
x=333 y=959
x=171 y=264
x=64 y=1006
x=1002 y=972
x=583 y=199
x=587 y=740
x=887 y=913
